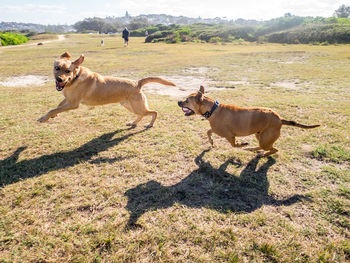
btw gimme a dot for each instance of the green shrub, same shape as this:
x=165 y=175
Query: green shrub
x=8 y=38
x=214 y=40
x=174 y=38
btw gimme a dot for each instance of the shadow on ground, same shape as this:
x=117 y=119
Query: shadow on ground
x=209 y=187
x=12 y=171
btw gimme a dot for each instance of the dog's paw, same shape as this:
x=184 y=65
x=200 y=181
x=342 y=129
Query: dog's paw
x=132 y=125
x=148 y=126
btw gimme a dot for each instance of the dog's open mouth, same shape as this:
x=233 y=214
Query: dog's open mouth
x=60 y=85
x=187 y=111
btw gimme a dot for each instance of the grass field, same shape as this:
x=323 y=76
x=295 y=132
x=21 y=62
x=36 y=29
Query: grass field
x=85 y=188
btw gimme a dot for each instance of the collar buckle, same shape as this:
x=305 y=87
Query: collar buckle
x=208 y=114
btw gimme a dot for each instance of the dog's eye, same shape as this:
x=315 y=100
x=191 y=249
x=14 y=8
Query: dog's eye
x=57 y=68
x=186 y=100
x=67 y=71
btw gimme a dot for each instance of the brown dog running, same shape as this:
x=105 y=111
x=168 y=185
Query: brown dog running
x=81 y=85
x=230 y=121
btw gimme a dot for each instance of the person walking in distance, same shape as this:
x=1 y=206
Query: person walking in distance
x=126 y=36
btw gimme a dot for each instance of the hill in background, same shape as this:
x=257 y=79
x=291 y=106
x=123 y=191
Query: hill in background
x=173 y=29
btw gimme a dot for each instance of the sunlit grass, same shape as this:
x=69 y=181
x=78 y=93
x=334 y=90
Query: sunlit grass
x=85 y=188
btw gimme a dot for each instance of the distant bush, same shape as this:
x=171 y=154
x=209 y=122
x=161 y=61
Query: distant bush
x=156 y=36
x=30 y=34
x=313 y=34
x=214 y=40
x=196 y=32
x=141 y=32
x=288 y=29
x=279 y=24
x=8 y=38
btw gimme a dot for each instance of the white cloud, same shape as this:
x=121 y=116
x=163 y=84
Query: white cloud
x=46 y=14
x=65 y=11
x=29 y=8
x=232 y=9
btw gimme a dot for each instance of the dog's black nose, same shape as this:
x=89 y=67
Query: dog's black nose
x=59 y=79
x=179 y=103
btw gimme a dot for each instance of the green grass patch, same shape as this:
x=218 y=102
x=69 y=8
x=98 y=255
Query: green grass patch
x=331 y=153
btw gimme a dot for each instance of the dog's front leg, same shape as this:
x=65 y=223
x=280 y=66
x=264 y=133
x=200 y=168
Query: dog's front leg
x=209 y=133
x=65 y=105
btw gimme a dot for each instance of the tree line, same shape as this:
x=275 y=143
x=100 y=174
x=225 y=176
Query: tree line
x=108 y=25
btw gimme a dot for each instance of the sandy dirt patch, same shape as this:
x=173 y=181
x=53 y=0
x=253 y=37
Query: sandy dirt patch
x=198 y=70
x=28 y=80
x=288 y=84
x=185 y=85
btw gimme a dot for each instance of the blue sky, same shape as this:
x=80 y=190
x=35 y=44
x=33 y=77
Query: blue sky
x=69 y=12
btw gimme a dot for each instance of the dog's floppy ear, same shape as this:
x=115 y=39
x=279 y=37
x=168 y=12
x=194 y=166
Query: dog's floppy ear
x=79 y=61
x=201 y=89
x=65 y=55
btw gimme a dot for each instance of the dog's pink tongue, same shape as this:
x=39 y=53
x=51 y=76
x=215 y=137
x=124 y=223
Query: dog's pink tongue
x=185 y=110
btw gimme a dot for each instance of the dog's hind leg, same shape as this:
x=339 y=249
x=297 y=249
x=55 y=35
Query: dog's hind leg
x=267 y=139
x=139 y=106
x=128 y=106
x=135 y=122
x=154 y=117
x=254 y=149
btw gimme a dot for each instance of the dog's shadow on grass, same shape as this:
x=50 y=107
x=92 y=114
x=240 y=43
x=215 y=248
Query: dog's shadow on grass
x=209 y=187
x=12 y=171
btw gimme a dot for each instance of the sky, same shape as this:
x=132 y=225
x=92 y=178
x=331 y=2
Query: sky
x=67 y=12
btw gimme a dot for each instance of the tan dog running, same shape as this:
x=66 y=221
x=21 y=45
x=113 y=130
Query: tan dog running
x=230 y=121
x=81 y=85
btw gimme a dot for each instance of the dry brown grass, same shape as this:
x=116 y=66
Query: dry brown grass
x=84 y=188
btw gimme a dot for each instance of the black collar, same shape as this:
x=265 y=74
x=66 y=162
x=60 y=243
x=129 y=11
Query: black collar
x=209 y=113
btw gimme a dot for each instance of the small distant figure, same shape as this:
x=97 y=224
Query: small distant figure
x=102 y=42
x=40 y=43
x=126 y=36
x=146 y=33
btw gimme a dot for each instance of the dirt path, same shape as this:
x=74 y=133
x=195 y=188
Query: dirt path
x=60 y=38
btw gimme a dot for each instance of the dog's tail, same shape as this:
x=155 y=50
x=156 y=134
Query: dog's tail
x=293 y=123
x=154 y=79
